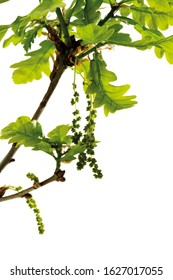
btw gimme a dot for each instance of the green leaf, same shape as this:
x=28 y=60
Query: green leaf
x=29 y=37
x=94 y=34
x=59 y=134
x=23 y=131
x=159 y=52
x=44 y=8
x=107 y=95
x=33 y=67
x=167 y=47
x=74 y=150
x=152 y=17
x=160 y=5
x=19 y=25
x=91 y=15
x=121 y=39
x=124 y=11
x=44 y=146
x=83 y=67
x=14 y=39
x=74 y=10
x=117 y=37
x=3 y=30
x=115 y=24
x=154 y=38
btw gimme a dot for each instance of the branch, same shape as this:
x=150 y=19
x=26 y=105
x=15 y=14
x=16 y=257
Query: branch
x=62 y=66
x=9 y=156
x=57 y=176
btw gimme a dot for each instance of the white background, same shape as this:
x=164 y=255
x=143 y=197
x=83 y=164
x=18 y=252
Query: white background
x=125 y=219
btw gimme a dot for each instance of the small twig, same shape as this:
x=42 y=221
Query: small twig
x=57 y=176
x=114 y=8
x=28 y=190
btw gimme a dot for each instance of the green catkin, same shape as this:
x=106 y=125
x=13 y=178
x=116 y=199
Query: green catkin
x=87 y=137
x=76 y=119
x=89 y=141
x=33 y=205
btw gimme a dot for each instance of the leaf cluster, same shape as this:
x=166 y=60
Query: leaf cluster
x=57 y=143
x=85 y=22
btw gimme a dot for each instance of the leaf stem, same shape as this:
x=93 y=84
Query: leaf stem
x=63 y=27
x=93 y=49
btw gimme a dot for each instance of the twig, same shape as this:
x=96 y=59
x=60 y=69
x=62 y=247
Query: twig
x=114 y=8
x=28 y=190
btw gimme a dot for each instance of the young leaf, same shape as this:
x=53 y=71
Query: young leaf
x=44 y=8
x=94 y=34
x=14 y=39
x=91 y=15
x=110 y=96
x=32 y=68
x=162 y=6
x=155 y=38
x=152 y=17
x=121 y=39
x=28 y=133
x=29 y=37
x=19 y=25
x=113 y=23
x=74 y=150
x=159 y=52
x=167 y=47
x=59 y=134
x=3 y=30
x=74 y=9
x=23 y=131
x=44 y=146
